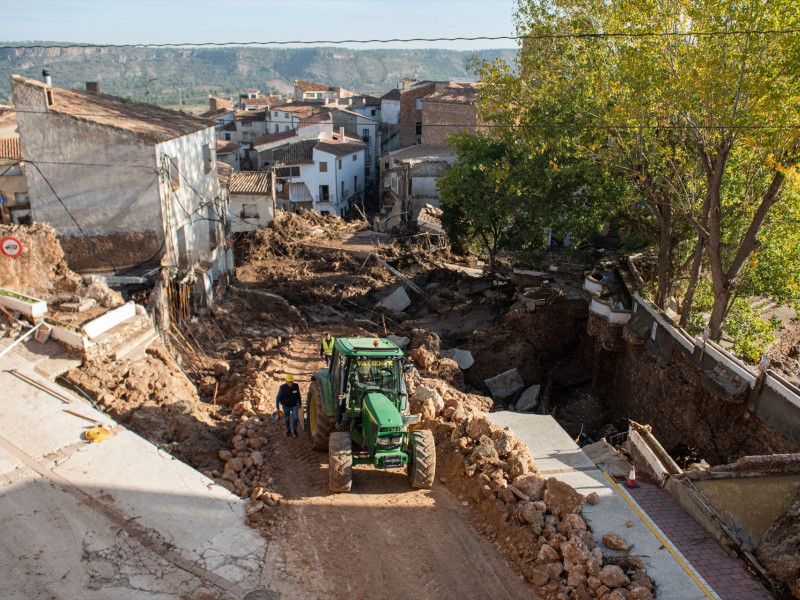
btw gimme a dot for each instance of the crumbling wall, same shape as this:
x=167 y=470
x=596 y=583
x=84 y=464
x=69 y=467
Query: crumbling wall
x=40 y=270
x=110 y=253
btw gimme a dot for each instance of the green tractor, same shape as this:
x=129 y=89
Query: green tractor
x=358 y=410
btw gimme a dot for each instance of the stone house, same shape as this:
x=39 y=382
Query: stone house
x=125 y=184
x=366 y=129
x=14 y=205
x=311 y=91
x=252 y=200
x=448 y=111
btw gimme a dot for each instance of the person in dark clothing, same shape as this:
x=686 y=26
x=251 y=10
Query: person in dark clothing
x=289 y=398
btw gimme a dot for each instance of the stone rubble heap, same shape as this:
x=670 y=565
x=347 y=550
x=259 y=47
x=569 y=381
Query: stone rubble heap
x=534 y=521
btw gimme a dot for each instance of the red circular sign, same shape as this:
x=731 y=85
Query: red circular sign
x=11 y=246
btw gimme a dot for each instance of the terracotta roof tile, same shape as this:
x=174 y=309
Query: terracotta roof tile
x=310 y=86
x=224 y=147
x=251 y=182
x=338 y=149
x=274 y=137
x=301 y=153
x=224 y=172
x=153 y=123
x=10 y=148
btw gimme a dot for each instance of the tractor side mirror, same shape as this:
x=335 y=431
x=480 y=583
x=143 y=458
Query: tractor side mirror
x=408 y=367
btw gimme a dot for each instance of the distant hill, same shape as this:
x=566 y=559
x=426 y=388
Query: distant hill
x=197 y=72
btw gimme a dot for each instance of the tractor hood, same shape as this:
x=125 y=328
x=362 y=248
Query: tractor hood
x=381 y=410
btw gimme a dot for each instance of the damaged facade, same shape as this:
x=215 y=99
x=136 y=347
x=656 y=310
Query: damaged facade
x=125 y=184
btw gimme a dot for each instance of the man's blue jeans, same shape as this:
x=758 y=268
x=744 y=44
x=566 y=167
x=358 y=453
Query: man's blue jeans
x=293 y=412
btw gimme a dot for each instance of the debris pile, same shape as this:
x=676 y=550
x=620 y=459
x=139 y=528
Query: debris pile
x=534 y=520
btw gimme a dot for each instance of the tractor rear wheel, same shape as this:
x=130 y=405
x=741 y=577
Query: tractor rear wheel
x=317 y=424
x=421 y=467
x=340 y=460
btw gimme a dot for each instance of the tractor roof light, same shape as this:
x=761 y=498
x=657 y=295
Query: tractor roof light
x=375 y=343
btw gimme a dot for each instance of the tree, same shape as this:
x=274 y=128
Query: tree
x=696 y=102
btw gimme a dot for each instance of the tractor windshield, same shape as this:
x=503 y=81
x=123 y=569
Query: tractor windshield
x=374 y=374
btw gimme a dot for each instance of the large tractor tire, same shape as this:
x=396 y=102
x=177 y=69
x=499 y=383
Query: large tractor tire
x=317 y=425
x=421 y=466
x=340 y=460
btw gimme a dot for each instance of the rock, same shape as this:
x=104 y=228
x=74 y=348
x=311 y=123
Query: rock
x=642 y=579
x=636 y=562
x=225 y=455
x=519 y=464
x=614 y=541
x=561 y=499
x=575 y=522
x=234 y=464
x=463 y=358
x=257 y=458
x=422 y=394
x=530 y=515
x=548 y=554
x=220 y=368
x=400 y=342
x=628 y=523
x=576 y=576
x=422 y=357
x=505 y=384
x=479 y=426
x=529 y=399
x=539 y=576
x=506 y=495
x=618 y=594
x=639 y=592
x=593 y=498
x=395 y=302
x=531 y=485
x=484 y=451
x=574 y=551
x=779 y=549
x=613 y=576
x=504 y=441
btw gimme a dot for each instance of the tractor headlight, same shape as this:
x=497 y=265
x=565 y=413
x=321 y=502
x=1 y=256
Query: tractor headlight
x=390 y=442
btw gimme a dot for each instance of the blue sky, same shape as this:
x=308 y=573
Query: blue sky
x=194 y=21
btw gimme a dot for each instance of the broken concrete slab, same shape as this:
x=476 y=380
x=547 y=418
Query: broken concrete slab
x=529 y=399
x=463 y=358
x=396 y=302
x=81 y=305
x=400 y=342
x=505 y=384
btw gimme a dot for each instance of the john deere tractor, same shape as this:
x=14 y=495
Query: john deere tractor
x=358 y=410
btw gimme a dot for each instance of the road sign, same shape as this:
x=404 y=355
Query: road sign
x=11 y=246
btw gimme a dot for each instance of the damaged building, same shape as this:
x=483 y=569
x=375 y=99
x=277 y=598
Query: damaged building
x=125 y=184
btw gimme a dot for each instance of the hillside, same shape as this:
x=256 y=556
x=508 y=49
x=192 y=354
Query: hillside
x=196 y=72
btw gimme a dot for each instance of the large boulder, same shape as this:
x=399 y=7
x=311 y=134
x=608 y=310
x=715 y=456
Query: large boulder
x=484 y=451
x=395 y=302
x=478 y=426
x=505 y=384
x=779 y=550
x=463 y=358
x=531 y=485
x=529 y=399
x=561 y=499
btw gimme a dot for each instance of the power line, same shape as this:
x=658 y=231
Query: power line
x=548 y=36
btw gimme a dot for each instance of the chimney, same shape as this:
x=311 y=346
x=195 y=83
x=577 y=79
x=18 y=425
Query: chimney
x=364 y=101
x=341 y=134
x=349 y=102
x=93 y=86
x=46 y=75
x=326 y=101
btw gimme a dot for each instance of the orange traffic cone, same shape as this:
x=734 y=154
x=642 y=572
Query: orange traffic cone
x=631 y=483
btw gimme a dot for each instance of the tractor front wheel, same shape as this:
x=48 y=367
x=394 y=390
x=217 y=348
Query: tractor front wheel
x=421 y=467
x=317 y=424
x=340 y=460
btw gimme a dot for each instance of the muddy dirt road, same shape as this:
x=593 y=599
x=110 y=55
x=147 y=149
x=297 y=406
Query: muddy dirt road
x=384 y=538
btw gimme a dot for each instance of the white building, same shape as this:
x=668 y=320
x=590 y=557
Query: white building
x=124 y=183
x=252 y=202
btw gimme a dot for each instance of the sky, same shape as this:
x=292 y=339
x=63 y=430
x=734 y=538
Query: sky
x=197 y=21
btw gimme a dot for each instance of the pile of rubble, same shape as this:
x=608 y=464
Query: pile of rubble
x=535 y=521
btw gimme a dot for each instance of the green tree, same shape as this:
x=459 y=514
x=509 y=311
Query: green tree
x=696 y=102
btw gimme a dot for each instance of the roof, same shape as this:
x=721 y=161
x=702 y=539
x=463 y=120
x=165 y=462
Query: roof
x=366 y=100
x=340 y=149
x=274 y=137
x=224 y=172
x=8 y=116
x=248 y=116
x=251 y=182
x=454 y=95
x=210 y=114
x=423 y=153
x=152 y=123
x=310 y=86
x=296 y=154
x=392 y=95
x=226 y=147
x=10 y=148
x=260 y=101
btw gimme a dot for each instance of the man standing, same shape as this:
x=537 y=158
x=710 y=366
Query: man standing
x=326 y=349
x=289 y=398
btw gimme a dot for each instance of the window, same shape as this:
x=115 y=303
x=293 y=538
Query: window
x=372 y=113
x=174 y=172
x=366 y=170
x=250 y=210
x=49 y=97
x=214 y=237
x=419 y=128
x=277 y=128
x=340 y=164
x=323 y=167
x=227 y=137
x=355 y=157
x=355 y=183
x=275 y=114
x=184 y=260
x=365 y=135
x=286 y=128
x=20 y=198
x=324 y=194
x=208 y=159
x=287 y=172
x=342 y=197
x=285 y=115
x=419 y=104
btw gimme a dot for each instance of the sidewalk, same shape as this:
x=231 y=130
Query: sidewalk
x=687 y=565
x=119 y=518
x=728 y=578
